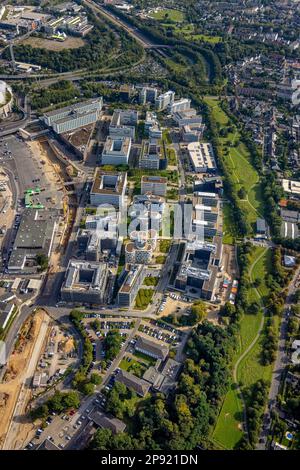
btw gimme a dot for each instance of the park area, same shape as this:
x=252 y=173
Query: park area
x=247 y=365
x=239 y=165
x=168 y=14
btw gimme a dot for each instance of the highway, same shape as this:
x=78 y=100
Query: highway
x=280 y=364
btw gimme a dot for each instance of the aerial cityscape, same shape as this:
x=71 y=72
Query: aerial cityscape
x=150 y=226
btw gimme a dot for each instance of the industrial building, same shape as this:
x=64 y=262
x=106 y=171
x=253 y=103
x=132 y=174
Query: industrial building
x=85 y=282
x=164 y=100
x=34 y=237
x=202 y=157
x=75 y=116
x=123 y=124
x=156 y=185
x=109 y=188
x=116 y=151
x=131 y=280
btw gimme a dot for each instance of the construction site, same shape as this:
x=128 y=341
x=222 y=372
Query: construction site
x=42 y=356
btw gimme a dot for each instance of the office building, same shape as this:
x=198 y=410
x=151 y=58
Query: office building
x=199 y=267
x=139 y=386
x=75 y=116
x=152 y=156
x=188 y=117
x=202 y=157
x=116 y=151
x=164 y=100
x=156 y=185
x=132 y=278
x=141 y=247
x=148 y=95
x=123 y=124
x=109 y=188
x=151 y=348
x=178 y=106
x=85 y=282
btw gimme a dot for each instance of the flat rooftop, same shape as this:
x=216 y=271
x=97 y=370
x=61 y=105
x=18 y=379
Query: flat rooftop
x=154 y=179
x=74 y=107
x=109 y=183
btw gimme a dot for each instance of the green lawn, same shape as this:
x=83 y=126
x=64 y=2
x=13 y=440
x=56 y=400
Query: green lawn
x=168 y=14
x=237 y=160
x=229 y=234
x=135 y=367
x=227 y=432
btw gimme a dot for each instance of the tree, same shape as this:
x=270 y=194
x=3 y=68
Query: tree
x=102 y=439
x=96 y=379
x=198 y=312
x=43 y=261
x=88 y=388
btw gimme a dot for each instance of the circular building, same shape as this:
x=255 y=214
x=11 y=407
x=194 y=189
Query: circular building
x=6 y=99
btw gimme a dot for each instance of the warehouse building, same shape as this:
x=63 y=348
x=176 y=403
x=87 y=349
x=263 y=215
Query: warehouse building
x=34 y=237
x=85 y=282
x=75 y=116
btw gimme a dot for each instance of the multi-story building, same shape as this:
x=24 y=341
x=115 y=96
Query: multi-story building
x=132 y=279
x=123 y=123
x=140 y=249
x=152 y=349
x=164 y=100
x=187 y=118
x=75 y=116
x=152 y=156
x=156 y=185
x=148 y=95
x=116 y=151
x=178 y=106
x=85 y=282
x=289 y=91
x=199 y=267
x=109 y=188
x=202 y=157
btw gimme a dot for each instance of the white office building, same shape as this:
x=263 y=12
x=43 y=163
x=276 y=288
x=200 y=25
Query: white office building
x=116 y=151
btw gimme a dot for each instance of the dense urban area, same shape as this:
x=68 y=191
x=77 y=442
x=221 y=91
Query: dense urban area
x=150 y=225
